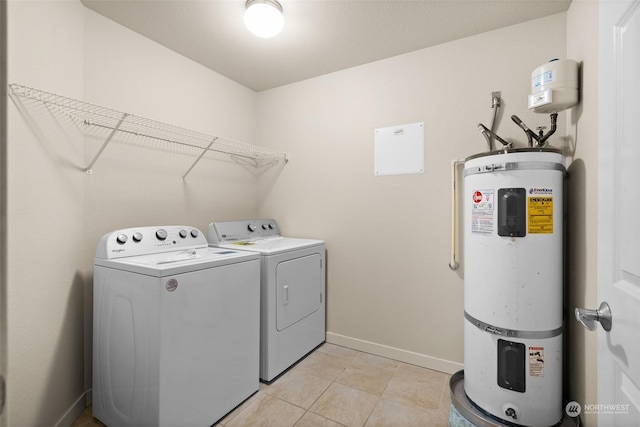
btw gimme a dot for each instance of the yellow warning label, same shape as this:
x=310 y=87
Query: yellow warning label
x=540 y=215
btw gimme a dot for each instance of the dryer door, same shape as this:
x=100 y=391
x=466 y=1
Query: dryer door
x=298 y=289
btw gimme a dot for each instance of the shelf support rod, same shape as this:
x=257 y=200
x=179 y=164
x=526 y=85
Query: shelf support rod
x=199 y=157
x=105 y=143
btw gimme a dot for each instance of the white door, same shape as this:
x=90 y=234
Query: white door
x=619 y=213
x=298 y=288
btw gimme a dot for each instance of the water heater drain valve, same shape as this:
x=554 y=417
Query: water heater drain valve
x=511 y=411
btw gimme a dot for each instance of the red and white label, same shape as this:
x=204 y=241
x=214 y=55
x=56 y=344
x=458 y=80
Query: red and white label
x=482 y=212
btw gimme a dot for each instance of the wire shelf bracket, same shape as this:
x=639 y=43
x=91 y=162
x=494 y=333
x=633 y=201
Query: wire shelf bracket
x=92 y=115
x=105 y=143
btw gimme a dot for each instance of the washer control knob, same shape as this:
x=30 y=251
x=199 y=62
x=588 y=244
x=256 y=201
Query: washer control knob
x=252 y=227
x=137 y=237
x=194 y=233
x=161 y=234
x=121 y=239
x=183 y=233
x=265 y=226
x=271 y=226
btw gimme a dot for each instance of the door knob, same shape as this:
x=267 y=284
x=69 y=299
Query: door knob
x=589 y=318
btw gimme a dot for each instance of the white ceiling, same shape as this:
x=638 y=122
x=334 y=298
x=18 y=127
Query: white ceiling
x=319 y=37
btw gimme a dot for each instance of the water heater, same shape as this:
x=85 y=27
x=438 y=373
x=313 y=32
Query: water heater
x=513 y=251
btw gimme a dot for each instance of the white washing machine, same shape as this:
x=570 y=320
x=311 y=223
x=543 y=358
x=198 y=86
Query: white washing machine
x=292 y=289
x=175 y=328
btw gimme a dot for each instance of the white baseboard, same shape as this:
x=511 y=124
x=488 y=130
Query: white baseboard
x=406 y=356
x=74 y=411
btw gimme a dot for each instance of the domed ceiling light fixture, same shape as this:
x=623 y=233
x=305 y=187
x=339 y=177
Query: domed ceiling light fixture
x=263 y=17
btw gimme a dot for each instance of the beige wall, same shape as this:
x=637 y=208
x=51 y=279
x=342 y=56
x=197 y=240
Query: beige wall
x=57 y=213
x=4 y=99
x=390 y=290
x=582 y=132
x=45 y=219
x=138 y=181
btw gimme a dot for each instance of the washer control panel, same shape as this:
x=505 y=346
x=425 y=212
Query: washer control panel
x=149 y=240
x=233 y=231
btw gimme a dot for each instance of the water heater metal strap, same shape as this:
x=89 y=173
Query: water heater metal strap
x=510 y=166
x=510 y=332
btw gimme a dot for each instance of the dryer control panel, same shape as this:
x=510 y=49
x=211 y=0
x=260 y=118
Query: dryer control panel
x=149 y=240
x=233 y=231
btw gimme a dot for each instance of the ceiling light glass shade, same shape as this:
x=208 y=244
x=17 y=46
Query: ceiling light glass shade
x=263 y=17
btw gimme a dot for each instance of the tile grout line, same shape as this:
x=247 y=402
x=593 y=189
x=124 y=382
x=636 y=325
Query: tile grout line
x=380 y=397
x=317 y=398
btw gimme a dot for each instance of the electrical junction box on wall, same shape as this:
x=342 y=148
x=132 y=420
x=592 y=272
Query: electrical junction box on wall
x=399 y=150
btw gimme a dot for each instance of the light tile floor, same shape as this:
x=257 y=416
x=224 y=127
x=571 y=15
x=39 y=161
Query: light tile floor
x=336 y=386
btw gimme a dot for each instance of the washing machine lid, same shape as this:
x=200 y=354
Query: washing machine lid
x=178 y=262
x=162 y=250
x=271 y=246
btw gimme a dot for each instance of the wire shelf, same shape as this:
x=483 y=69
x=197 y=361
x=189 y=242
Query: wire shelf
x=92 y=115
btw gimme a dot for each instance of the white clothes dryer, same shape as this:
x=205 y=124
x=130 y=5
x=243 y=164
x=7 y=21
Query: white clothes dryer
x=175 y=329
x=292 y=289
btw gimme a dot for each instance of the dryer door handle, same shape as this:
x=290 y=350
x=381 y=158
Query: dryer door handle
x=285 y=294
